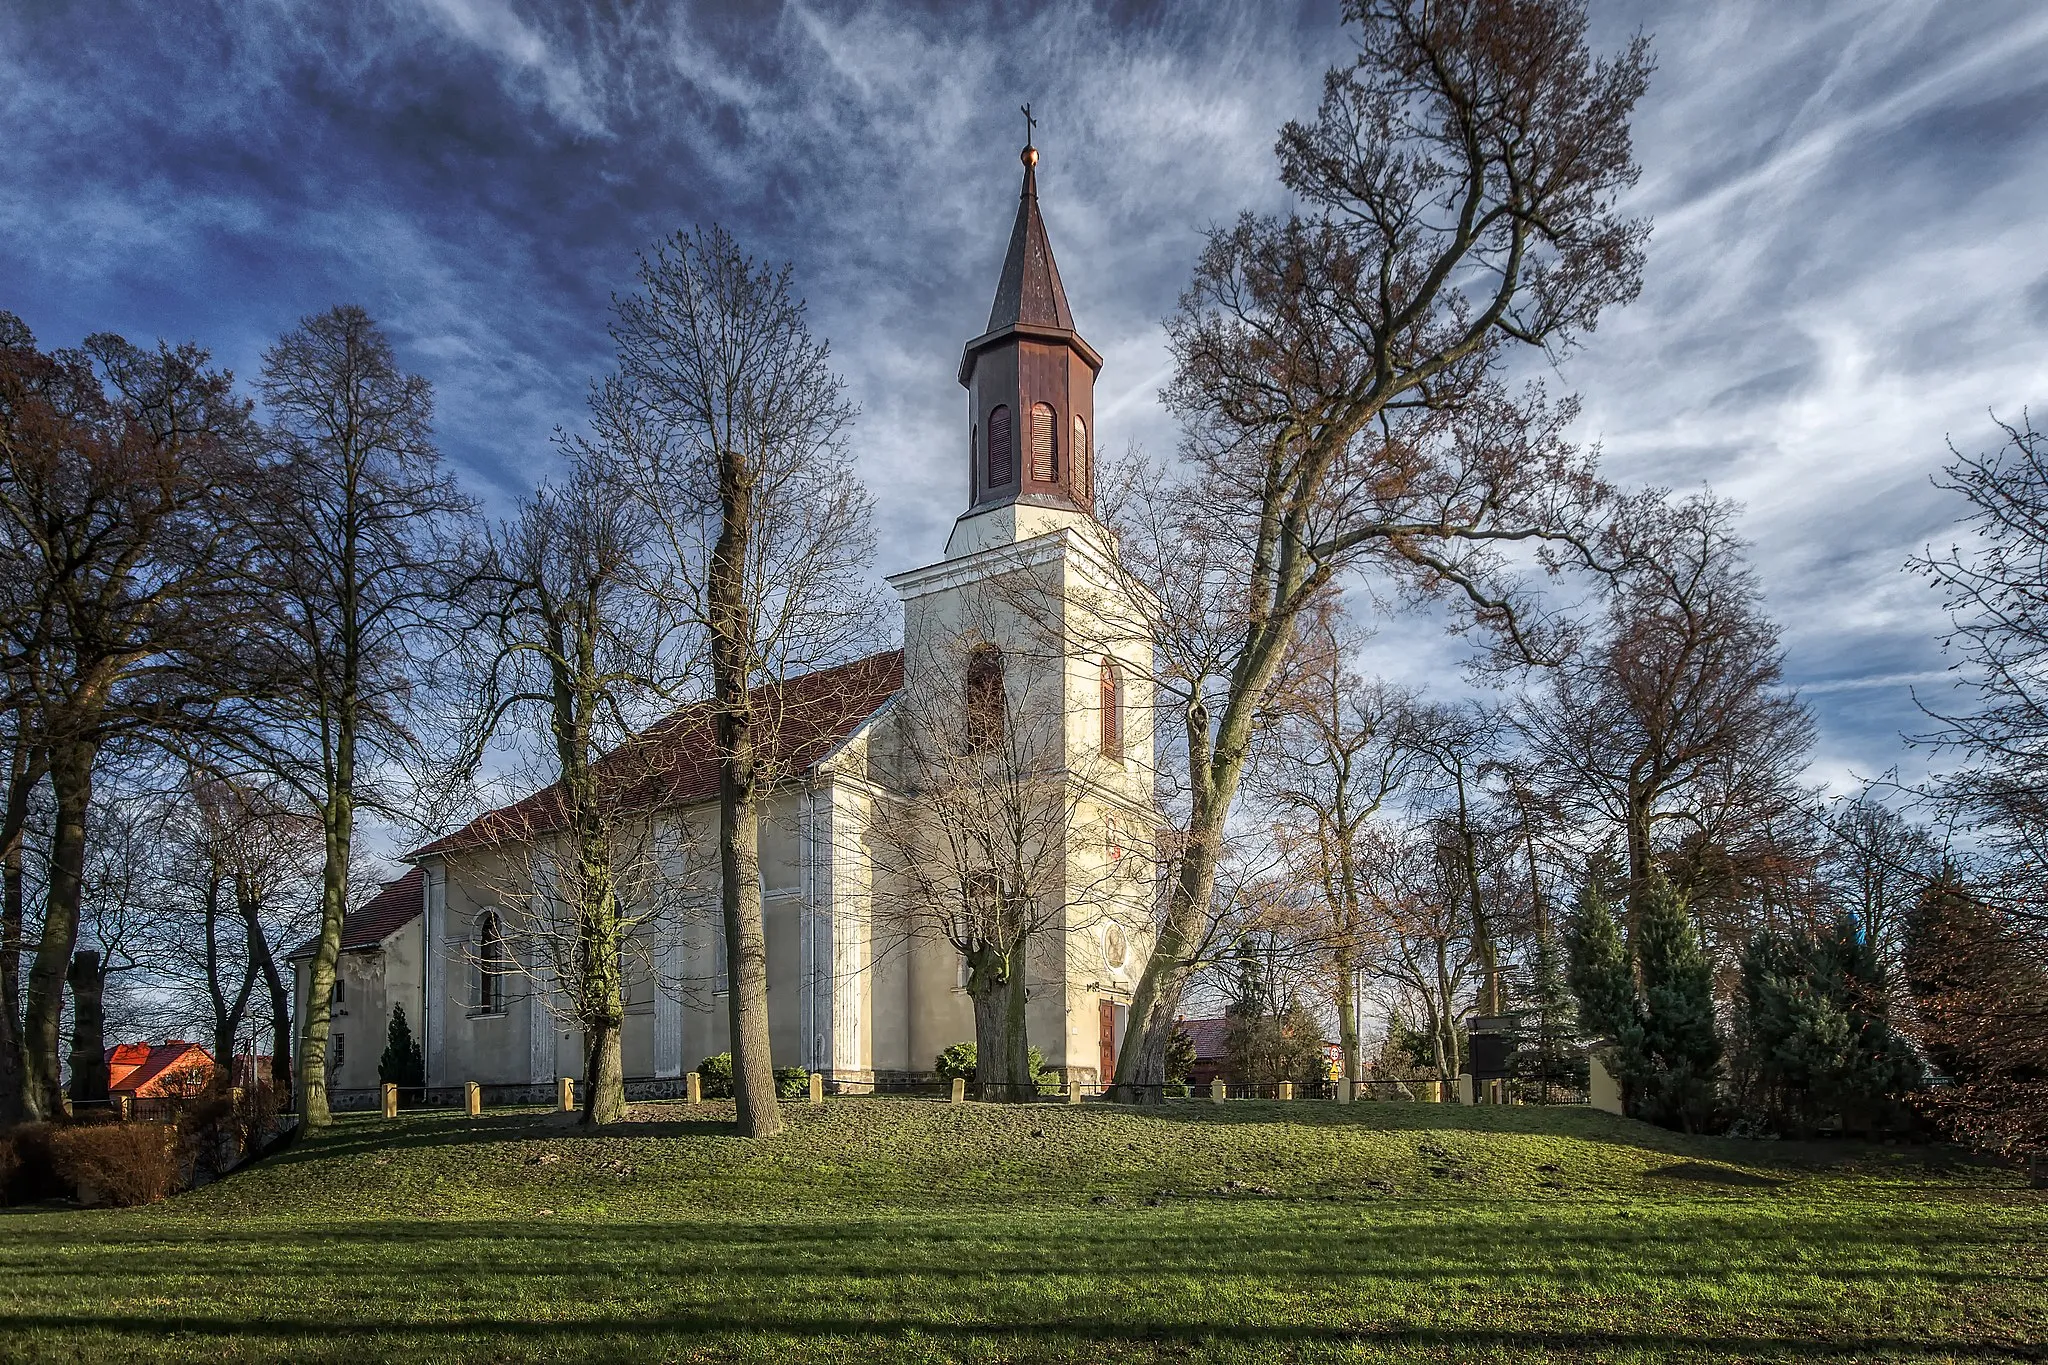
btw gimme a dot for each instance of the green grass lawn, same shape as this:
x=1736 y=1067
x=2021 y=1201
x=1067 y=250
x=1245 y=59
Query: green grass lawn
x=915 y=1230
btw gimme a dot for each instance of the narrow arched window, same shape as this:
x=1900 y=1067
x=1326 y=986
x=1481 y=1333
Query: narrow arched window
x=984 y=697
x=1001 y=467
x=1045 y=459
x=1112 y=682
x=490 y=964
x=1079 y=455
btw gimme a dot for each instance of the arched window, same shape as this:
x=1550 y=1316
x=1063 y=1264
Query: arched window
x=1080 y=457
x=1001 y=467
x=1112 y=682
x=984 y=697
x=490 y=964
x=1045 y=459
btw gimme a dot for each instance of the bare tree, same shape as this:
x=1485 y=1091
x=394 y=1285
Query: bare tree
x=1419 y=899
x=1340 y=752
x=734 y=426
x=986 y=847
x=1675 y=721
x=363 y=547
x=1996 y=593
x=122 y=477
x=575 y=642
x=1338 y=368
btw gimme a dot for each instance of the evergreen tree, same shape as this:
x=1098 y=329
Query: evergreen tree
x=1547 y=1041
x=403 y=1064
x=1598 y=972
x=1814 y=1038
x=1675 y=1064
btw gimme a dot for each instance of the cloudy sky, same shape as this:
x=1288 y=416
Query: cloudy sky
x=1848 y=267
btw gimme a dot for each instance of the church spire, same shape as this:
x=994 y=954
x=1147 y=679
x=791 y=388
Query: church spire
x=1030 y=377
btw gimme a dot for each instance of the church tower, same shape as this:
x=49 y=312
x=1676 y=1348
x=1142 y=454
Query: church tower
x=1024 y=641
x=1030 y=381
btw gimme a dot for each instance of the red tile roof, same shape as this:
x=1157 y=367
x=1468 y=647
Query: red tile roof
x=144 y=1069
x=675 y=761
x=1208 y=1035
x=378 y=918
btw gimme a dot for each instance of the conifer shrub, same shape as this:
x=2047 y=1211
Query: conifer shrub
x=122 y=1164
x=1814 y=1045
x=404 y=1063
x=714 y=1077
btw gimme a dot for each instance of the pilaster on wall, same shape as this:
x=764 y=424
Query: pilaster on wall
x=848 y=893
x=668 y=1002
x=540 y=1036
x=434 y=947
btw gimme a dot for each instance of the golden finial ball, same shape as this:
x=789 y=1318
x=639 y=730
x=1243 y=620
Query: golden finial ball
x=1029 y=156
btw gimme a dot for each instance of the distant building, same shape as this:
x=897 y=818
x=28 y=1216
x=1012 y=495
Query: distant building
x=1211 y=1051
x=173 y=1069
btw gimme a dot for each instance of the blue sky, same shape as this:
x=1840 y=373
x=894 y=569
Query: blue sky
x=1847 y=268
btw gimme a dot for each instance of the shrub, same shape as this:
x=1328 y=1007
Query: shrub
x=714 y=1076
x=792 y=1083
x=31 y=1169
x=958 y=1062
x=123 y=1164
x=1814 y=1041
x=403 y=1063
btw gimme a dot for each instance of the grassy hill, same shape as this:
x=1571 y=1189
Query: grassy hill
x=899 y=1229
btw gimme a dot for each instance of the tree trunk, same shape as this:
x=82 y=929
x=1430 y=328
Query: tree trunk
x=264 y=963
x=71 y=765
x=1638 y=832
x=1002 y=1051
x=88 y=981
x=27 y=772
x=739 y=829
x=1155 y=1002
x=604 y=1074
x=603 y=1016
x=337 y=819
x=1347 y=1015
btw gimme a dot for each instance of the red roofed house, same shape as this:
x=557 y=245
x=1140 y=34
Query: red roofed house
x=852 y=992
x=172 y=1069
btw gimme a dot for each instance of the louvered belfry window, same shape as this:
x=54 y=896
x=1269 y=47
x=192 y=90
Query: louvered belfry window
x=1045 y=465
x=985 y=701
x=1112 y=710
x=1001 y=467
x=1079 y=456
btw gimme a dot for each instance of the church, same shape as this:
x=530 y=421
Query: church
x=1025 y=616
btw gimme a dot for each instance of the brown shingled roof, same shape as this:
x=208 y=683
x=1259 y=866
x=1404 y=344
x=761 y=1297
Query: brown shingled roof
x=378 y=918
x=675 y=761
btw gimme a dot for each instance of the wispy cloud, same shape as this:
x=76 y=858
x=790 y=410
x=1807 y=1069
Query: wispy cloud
x=1845 y=273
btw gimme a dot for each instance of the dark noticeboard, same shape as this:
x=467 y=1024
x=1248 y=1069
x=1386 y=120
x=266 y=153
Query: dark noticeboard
x=1493 y=1042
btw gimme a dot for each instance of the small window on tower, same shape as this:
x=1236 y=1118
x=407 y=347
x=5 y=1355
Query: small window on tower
x=1112 y=684
x=1001 y=469
x=984 y=698
x=1045 y=462
x=1079 y=455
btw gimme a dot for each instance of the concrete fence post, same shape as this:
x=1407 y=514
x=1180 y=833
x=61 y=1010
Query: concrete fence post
x=693 y=1087
x=127 y=1103
x=472 y=1098
x=1218 y=1091
x=1073 y=1090
x=817 y=1088
x=1465 y=1088
x=1347 y=1090
x=390 y=1100
x=565 y=1087
x=1287 y=1090
x=959 y=1090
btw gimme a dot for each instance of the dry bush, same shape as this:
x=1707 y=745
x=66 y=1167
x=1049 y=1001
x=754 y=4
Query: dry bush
x=122 y=1164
